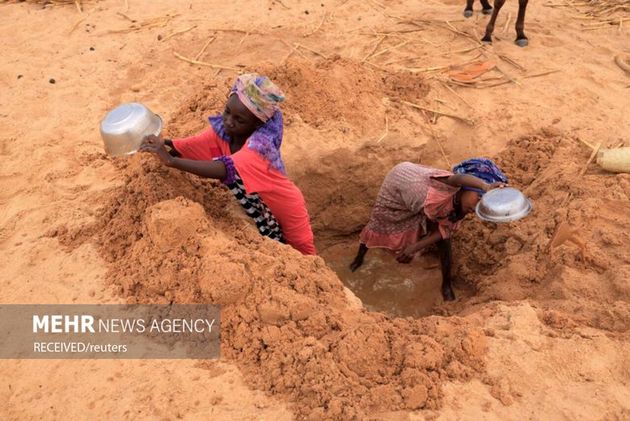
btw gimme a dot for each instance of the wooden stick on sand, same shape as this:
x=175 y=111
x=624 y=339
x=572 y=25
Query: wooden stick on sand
x=203 y=49
x=174 y=34
x=386 y=130
x=590 y=159
x=374 y=48
x=453 y=116
x=308 y=34
x=203 y=63
x=298 y=45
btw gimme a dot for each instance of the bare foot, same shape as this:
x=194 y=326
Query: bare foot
x=447 y=293
x=356 y=264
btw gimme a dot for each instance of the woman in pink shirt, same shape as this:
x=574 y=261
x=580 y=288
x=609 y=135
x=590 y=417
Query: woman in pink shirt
x=242 y=148
x=418 y=206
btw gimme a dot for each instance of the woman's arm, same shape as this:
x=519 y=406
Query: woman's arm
x=207 y=169
x=406 y=255
x=467 y=180
x=173 y=151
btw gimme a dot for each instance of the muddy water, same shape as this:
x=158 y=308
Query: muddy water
x=383 y=284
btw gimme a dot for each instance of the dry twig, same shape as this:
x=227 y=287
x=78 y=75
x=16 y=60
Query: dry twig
x=308 y=34
x=203 y=63
x=453 y=116
x=203 y=49
x=174 y=34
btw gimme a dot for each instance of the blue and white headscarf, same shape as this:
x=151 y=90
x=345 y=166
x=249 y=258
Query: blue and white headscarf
x=482 y=168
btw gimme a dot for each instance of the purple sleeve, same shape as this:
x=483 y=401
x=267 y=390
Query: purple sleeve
x=230 y=170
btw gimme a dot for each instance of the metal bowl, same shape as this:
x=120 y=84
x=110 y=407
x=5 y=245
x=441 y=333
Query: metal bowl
x=503 y=205
x=124 y=127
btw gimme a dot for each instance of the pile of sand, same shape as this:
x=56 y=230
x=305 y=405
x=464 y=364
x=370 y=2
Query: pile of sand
x=286 y=320
x=513 y=261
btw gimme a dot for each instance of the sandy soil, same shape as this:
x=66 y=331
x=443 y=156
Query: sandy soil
x=533 y=334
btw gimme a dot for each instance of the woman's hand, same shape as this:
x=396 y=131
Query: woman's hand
x=406 y=254
x=496 y=185
x=155 y=145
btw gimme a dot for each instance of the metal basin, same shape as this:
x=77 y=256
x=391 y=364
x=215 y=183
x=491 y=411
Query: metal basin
x=503 y=205
x=124 y=127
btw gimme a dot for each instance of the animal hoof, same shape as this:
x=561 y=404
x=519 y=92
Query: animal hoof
x=486 y=40
x=487 y=11
x=448 y=294
x=468 y=13
x=522 y=42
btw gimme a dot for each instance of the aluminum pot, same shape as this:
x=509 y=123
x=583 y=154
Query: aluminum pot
x=124 y=127
x=505 y=204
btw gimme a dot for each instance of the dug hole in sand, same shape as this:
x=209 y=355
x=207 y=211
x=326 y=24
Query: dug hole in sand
x=292 y=327
x=536 y=332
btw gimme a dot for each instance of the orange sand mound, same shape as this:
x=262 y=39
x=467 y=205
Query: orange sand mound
x=532 y=334
x=286 y=320
x=512 y=261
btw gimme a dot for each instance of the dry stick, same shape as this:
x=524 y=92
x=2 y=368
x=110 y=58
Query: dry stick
x=293 y=48
x=382 y=69
x=282 y=4
x=126 y=5
x=240 y=43
x=203 y=63
x=316 y=29
x=126 y=17
x=509 y=81
x=453 y=116
x=590 y=159
x=457 y=95
x=78 y=4
x=203 y=50
x=386 y=130
x=298 y=45
x=541 y=74
x=242 y=31
x=284 y=60
x=510 y=78
x=507 y=22
x=583 y=171
x=374 y=49
x=178 y=33
x=465 y=50
x=76 y=25
x=464 y=34
x=437 y=140
x=619 y=60
x=431 y=69
x=390 y=48
x=586 y=143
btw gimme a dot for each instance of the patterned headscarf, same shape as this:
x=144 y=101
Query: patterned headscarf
x=259 y=94
x=482 y=168
x=267 y=139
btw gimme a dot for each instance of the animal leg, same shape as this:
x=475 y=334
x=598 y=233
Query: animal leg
x=498 y=4
x=521 y=39
x=468 y=11
x=486 y=8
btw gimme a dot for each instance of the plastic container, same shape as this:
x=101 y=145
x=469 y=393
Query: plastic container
x=615 y=160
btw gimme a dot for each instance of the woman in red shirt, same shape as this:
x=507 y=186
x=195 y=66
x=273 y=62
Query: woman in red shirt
x=242 y=148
